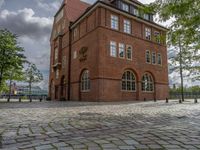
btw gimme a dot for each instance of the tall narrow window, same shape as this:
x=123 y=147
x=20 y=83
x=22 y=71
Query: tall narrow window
x=85 y=81
x=125 y=7
x=64 y=59
x=159 y=59
x=57 y=73
x=113 y=49
x=121 y=50
x=136 y=12
x=129 y=52
x=148 y=58
x=128 y=81
x=148 y=33
x=114 y=22
x=127 y=26
x=153 y=58
x=147 y=83
x=146 y=16
x=56 y=54
x=157 y=36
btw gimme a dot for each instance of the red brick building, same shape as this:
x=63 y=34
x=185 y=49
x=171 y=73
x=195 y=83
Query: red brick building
x=108 y=51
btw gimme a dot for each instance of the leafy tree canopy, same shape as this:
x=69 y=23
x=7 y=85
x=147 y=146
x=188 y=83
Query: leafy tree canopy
x=184 y=31
x=11 y=56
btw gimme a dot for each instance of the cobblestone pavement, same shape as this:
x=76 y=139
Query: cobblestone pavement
x=100 y=126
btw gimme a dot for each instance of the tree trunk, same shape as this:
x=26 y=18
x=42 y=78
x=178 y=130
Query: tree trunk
x=30 y=91
x=10 y=85
x=181 y=69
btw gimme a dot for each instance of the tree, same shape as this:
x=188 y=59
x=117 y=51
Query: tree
x=184 y=34
x=32 y=75
x=16 y=74
x=11 y=55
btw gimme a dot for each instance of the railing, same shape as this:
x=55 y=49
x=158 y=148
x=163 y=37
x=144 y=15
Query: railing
x=188 y=95
x=23 y=96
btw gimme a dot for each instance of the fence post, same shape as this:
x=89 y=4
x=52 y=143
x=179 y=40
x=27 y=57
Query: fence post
x=30 y=99
x=167 y=100
x=20 y=100
x=195 y=100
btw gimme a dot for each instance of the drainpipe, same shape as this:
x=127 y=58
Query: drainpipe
x=69 y=63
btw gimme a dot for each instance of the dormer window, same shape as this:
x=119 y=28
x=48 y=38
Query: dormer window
x=146 y=16
x=157 y=36
x=125 y=7
x=136 y=12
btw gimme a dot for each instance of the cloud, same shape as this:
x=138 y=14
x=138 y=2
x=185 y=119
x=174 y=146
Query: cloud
x=54 y=6
x=1 y=3
x=34 y=33
x=24 y=23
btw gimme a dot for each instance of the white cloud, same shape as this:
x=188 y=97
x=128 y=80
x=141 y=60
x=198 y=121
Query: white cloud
x=54 y=6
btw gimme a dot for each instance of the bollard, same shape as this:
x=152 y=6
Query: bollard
x=155 y=100
x=195 y=100
x=8 y=100
x=144 y=99
x=180 y=101
x=167 y=100
x=20 y=100
x=30 y=100
x=40 y=99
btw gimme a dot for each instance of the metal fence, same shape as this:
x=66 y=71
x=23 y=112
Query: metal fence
x=188 y=95
x=22 y=96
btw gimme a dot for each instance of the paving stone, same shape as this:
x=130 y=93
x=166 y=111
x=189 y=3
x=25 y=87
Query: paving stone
x=43 y=147
x=85 y=125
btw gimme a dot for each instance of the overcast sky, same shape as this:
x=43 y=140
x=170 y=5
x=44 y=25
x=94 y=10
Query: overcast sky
x=32 y=21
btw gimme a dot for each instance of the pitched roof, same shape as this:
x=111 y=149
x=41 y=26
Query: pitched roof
x=75 y=8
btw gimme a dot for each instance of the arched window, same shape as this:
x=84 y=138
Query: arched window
x=85 y=81
x=147 y=83
x=128 y=81
x=129 y=52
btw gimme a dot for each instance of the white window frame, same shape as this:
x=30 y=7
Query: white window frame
x=113 y=49
x=85 y=81
x=159 y=59
x=114 y=21
x=57 y=73
x=75 y=33
x=146 y=16
x=121 y=50
x=147 y=83
x=125 y=7
x=56 y=54
x=128 y=81
x=148 y=56
x=127 y=26
x=127 y=53
x=75 y=55
x=153 y=59
x=147 y=33
x=136 y=11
